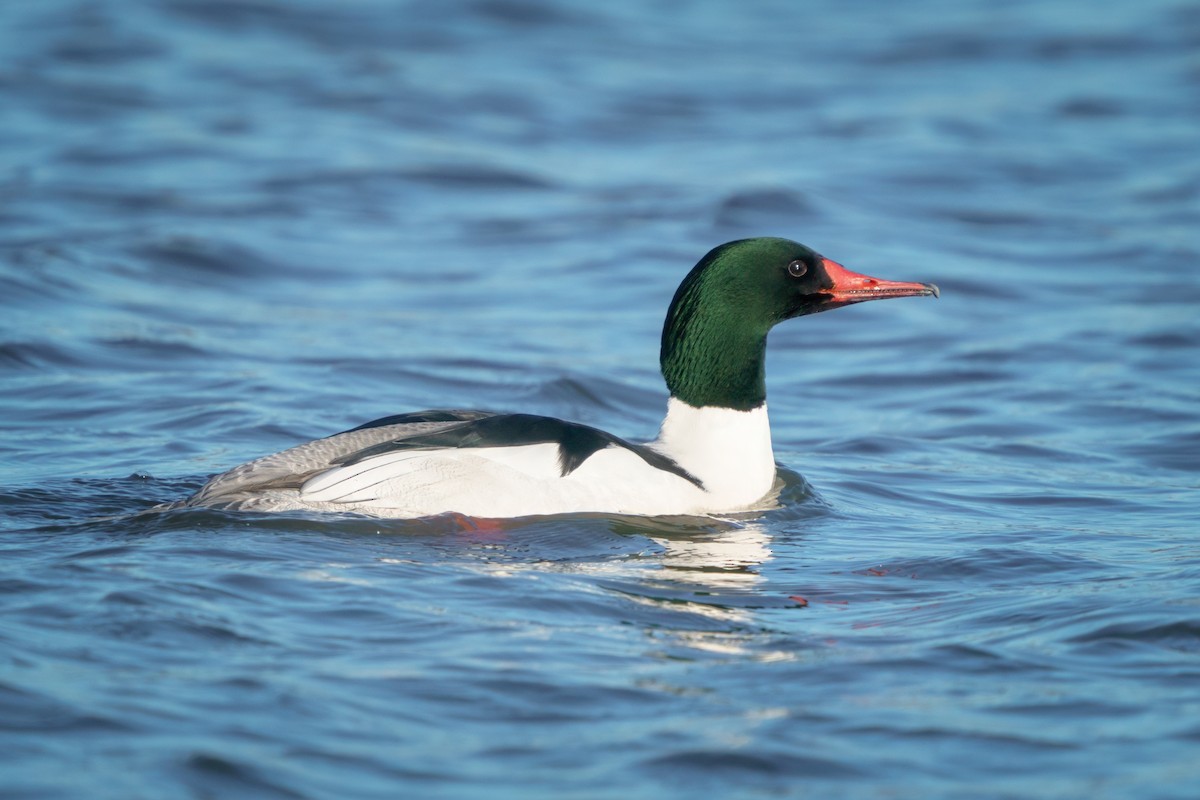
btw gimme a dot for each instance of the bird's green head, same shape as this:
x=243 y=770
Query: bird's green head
x=715 y=335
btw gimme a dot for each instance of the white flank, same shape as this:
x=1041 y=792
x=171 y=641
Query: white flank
x=728 y=451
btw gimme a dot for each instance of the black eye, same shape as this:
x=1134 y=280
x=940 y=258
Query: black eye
x=797 y=269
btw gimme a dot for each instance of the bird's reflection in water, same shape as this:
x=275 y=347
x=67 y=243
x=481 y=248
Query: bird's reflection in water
x=706 y=591
x=694 y=583
x=723 y=561
x=713 y=568
x=706 y=595
x=721 y=558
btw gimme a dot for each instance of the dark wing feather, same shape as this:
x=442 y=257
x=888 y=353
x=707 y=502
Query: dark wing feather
x=432 y=415
x=576 y=443
x=290 y=468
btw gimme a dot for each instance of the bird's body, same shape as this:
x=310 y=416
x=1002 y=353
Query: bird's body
x=713 y=452
x=510 y=469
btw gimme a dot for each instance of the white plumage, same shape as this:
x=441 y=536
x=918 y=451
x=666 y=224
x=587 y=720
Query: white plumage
x=512 y=481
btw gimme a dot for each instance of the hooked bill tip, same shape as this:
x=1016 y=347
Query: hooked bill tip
x=933 y=289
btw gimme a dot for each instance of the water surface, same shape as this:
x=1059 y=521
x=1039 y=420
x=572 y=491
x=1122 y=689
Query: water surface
x=227 y=227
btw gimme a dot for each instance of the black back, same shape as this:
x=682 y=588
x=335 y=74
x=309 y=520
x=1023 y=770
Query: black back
x=576 y=443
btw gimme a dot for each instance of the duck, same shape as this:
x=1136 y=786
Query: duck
x=712 y=455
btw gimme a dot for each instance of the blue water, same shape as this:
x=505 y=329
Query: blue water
x=230 y=226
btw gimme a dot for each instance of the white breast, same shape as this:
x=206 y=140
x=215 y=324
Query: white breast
x=729 y=450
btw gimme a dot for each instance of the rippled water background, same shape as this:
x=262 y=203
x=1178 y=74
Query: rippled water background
x=227 y=226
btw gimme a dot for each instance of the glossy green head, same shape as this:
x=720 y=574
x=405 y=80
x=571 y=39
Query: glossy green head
x=715 y=336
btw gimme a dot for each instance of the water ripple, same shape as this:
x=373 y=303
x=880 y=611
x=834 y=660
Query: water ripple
x=228 y=227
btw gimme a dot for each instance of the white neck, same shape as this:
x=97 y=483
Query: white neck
x=728 y=450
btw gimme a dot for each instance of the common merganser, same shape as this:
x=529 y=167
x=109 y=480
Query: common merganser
x=712 y=455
